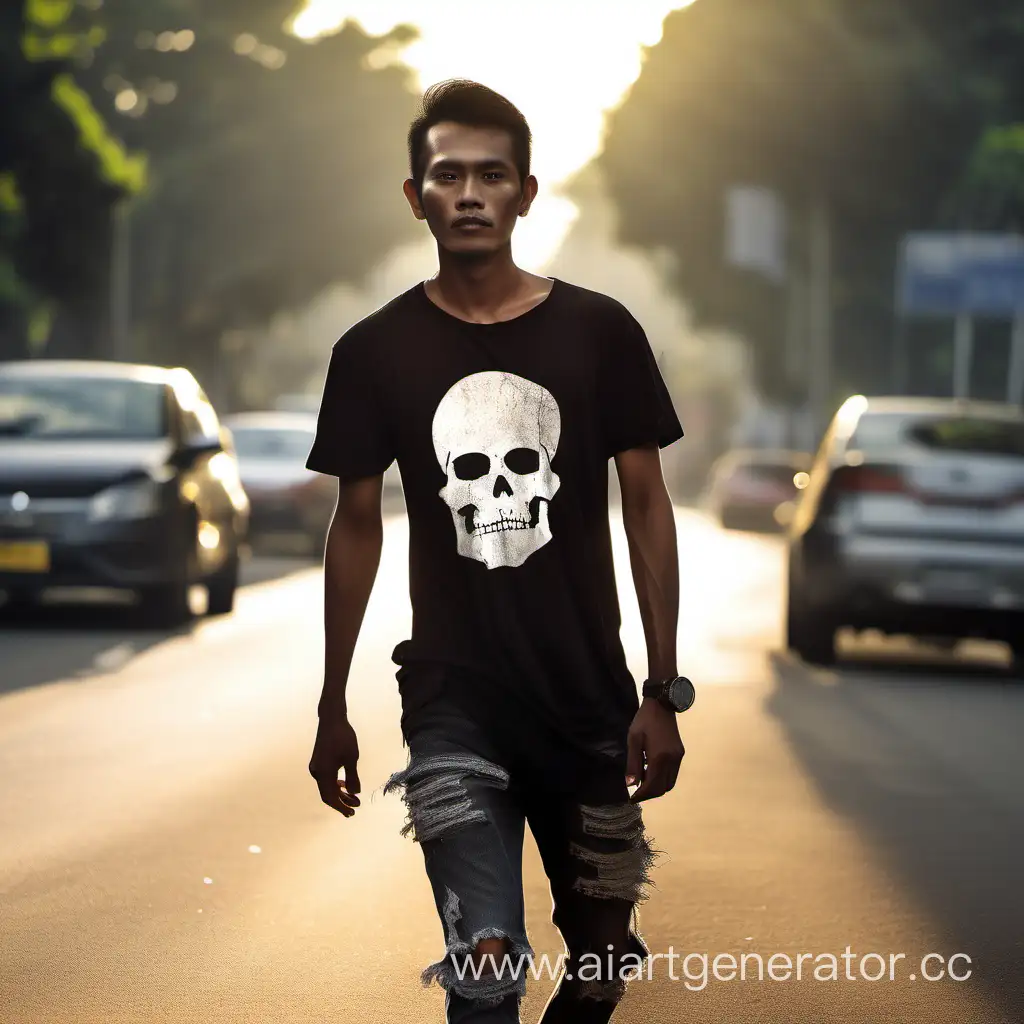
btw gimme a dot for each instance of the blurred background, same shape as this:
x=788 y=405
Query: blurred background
x=815 y=208
x=215 y=185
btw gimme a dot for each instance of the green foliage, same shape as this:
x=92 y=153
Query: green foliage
x=60 y=172
x=990 y=196
x=48 y=14
x=10 y=197
x=274 y=164
x=262 y=168
x=115 y=165
x=61 y=46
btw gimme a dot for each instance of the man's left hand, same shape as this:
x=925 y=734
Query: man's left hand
x=654 y=750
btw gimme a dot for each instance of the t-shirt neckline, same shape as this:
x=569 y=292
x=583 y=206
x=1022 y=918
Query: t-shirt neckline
x=533 y=311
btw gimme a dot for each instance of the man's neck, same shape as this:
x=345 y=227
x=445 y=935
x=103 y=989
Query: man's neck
x=488 y=289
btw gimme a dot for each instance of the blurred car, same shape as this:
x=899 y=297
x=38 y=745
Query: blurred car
x=286 y=497
x=756 y=489
x=912 y=522
x=115 y=475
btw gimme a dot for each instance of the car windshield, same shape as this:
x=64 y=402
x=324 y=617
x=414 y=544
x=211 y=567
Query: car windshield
x=82 y=408
x=978 y=435
x=288 y=444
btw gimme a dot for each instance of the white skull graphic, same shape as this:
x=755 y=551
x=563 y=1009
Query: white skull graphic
x=495 y=435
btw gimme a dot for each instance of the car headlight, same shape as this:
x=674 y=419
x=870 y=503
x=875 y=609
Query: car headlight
x=136 y=500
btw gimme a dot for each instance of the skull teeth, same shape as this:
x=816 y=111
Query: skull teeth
x=529 y=521
x=503 y=524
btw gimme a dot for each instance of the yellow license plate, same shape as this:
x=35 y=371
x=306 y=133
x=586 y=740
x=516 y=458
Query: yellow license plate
x=24 y=556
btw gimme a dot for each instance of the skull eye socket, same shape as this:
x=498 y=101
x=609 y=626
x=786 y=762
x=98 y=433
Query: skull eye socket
x=523 y=460
x=471 y=466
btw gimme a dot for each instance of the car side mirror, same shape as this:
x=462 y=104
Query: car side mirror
x=190 y=452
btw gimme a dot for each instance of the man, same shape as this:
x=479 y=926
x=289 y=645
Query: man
x=503 y=395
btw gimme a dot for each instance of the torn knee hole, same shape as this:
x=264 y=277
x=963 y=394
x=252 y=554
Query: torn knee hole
x=498 y=961
x=620 y=868
x=605 y=974
x=603 y=991
x=435 y=794
x=496 y=948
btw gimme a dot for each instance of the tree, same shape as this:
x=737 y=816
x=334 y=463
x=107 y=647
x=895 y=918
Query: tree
x=60 y=173
x=274 y=163
x=864 y=106
x=990 y=194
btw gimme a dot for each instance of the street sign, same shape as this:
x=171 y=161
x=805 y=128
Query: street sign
x=961 y=273
x=755 y=231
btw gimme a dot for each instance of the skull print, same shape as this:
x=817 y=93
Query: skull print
x=495 y=435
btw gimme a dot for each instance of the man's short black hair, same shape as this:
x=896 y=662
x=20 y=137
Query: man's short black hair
x=474 y=105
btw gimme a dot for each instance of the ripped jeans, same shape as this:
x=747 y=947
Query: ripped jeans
x=468 y=812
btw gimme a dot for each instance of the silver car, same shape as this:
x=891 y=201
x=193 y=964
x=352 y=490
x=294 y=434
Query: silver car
x=912 y=522
x=287 y=499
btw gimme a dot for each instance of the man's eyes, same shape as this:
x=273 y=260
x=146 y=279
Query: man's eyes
x=448 y=175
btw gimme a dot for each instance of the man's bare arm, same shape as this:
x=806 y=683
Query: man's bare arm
x=655 y=749
x=650 y=526
x=351 y=560
x=350 y=567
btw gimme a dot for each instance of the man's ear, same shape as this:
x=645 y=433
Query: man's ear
x=412 y=194
x=530 y=187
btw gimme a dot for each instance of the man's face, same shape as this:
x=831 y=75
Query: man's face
x=471 y=194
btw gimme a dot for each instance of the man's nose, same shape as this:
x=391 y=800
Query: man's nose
x=470 y=195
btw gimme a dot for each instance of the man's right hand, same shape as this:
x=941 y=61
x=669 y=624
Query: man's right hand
x=336 y=747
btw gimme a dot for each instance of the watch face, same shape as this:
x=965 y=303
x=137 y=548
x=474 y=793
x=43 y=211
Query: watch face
x=681 y=693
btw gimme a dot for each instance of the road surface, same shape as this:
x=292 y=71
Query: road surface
x=166 y=858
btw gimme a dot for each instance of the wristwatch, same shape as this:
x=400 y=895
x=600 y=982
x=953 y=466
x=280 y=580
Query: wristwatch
x=676 y=694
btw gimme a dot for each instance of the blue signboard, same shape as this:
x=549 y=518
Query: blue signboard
x=956 y=274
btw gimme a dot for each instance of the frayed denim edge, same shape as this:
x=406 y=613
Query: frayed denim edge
x=490 y=991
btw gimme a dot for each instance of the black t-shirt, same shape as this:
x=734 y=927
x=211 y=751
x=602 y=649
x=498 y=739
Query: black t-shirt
x=503 y=434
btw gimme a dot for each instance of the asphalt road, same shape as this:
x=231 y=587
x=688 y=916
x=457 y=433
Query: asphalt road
x=166 y=858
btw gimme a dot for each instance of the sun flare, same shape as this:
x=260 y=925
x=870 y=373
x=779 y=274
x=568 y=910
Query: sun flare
x=562 y=62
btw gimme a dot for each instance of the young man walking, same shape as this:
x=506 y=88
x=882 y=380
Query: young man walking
x=503 y=395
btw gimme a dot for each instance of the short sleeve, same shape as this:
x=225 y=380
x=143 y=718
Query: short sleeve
x=352 y=439
x=637 y=407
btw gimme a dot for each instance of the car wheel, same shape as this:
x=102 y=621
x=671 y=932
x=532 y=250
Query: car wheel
x=809 y=633
x=221 y=587
x=1017 y=659
x=17 y=602
x=166 y=605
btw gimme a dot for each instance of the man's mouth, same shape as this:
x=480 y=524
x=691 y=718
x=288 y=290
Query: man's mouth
x=472 y=222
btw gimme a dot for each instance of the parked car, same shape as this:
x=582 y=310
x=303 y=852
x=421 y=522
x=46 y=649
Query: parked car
x=755 y=489
x=287 y=498
x=115 y=475
x=912 y=523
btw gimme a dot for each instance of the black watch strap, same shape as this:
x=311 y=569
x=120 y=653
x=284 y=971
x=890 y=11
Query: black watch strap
x=661 y=690
x=654 y=687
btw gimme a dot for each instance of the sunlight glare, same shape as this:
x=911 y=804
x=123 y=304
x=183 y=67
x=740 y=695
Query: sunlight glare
x=563 y=63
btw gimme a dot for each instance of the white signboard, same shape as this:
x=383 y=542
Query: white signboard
x=755 y=231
